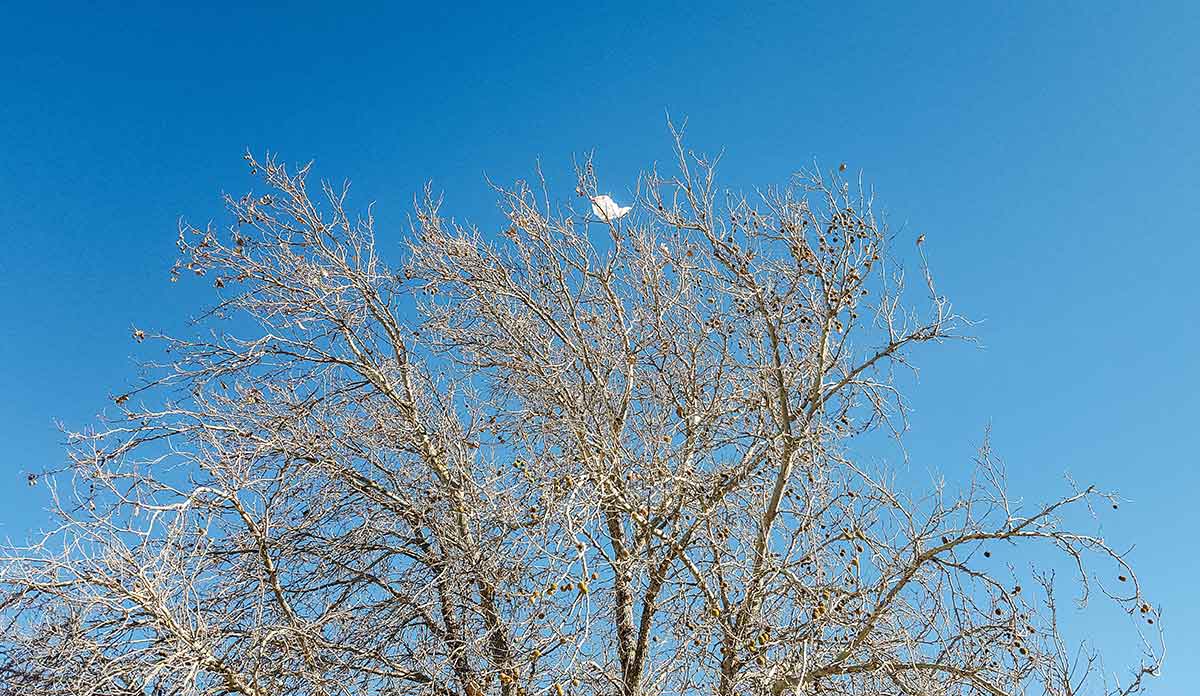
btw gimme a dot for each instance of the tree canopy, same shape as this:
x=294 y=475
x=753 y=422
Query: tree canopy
x=573 y=456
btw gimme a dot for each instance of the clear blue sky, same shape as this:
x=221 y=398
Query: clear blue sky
x=1050 y=153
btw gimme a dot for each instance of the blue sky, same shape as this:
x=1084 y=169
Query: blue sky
x=1049 y=154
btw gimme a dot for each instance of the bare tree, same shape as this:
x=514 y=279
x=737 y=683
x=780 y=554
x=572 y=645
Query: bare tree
x=575 y=457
